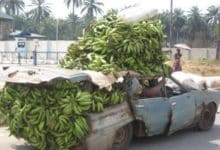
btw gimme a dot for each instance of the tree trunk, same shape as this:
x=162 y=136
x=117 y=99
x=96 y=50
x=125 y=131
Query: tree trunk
x=74 y=23
x=73 y=9
x=91 y=15
x=218 y=41
x=218 y=50
x=177 y=37
x=171 y=26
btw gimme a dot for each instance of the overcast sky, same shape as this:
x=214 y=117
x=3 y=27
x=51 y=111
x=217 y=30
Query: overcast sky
x=59 y=9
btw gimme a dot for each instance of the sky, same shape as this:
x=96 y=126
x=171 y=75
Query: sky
x=59 y=10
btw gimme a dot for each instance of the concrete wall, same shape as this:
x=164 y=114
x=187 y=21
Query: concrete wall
x=47 y=52
x=43 y=46
x=62 y=46
x=196 y=53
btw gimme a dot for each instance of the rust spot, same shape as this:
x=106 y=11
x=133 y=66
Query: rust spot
x=191 y=123
x=140 y=129
x=169 y=122
x=199 y=109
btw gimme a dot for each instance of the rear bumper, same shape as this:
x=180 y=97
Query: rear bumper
x=104 y=126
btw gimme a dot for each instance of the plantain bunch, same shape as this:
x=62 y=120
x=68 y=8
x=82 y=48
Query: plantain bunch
x=111 y=45
x=53 y=116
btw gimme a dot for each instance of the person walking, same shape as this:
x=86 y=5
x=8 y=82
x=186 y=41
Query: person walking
x=177 y=63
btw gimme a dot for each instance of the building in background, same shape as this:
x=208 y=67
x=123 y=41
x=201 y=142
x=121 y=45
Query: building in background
x=22 y=39
x=6 y=26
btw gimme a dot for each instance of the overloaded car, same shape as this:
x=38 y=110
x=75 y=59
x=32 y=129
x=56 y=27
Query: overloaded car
x=157 y=106
x=154 y=106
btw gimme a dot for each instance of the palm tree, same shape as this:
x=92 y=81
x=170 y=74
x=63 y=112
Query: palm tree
x=19 y=22
x=196 y=22
x=212 y=15
x=12 y=7
x=213 y=20
x=39 y=11
x=164 y=17
x=179 y=20
x=92 y=7
x=75 y=4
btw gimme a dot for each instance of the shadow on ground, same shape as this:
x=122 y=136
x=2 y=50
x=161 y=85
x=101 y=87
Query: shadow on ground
x=182 y=140
x=22 y=147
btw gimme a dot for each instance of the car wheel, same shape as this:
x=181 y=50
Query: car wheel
x=207 y=117
x=123 y=137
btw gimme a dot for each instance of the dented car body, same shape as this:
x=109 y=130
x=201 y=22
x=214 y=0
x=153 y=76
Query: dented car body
x=166 y=112
x=174 y=113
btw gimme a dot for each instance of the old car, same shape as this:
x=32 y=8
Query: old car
x=154 y=106
x=172 y=109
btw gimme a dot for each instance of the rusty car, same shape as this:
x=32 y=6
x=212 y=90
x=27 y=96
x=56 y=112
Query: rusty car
x=153 y=106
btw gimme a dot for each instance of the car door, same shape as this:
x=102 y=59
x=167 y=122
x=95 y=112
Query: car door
x=183 y=111
x=155 y=113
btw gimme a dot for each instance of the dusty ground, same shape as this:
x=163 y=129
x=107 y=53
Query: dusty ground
x=183 y=140
x=202 y=67
x=206 y=68
x=186 y=140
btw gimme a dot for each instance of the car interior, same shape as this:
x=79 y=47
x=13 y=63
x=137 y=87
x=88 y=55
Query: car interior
x=161 y=87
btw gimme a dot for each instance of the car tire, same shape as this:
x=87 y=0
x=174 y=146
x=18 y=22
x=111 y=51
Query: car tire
x=207 y=117
x=123 y=137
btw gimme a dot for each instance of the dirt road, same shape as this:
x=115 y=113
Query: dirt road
x=184 y=140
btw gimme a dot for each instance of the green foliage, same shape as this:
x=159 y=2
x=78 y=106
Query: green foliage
x=69 y=29
x=74 y=4
x=40 y=10
x=111 y=45
x=2 y=119
x=194 y=28
x=92 y=8
x=13 y=7
x=203 y=61
x=2 y=116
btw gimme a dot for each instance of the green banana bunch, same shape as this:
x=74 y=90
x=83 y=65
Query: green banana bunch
x=53 y=116
x=98 y=63
x=114 y=45
x=83 y=100
x=99 y=99
x=117 y=97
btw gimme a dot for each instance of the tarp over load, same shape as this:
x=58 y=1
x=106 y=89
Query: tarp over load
x=38 y=75
x=194 y=81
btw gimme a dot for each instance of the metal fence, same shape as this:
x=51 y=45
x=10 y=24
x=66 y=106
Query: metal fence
x=32 y=58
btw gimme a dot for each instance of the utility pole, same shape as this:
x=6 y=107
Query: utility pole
x=218 y=37
x=57 y=30
x=171 y=26
x=57 y=34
